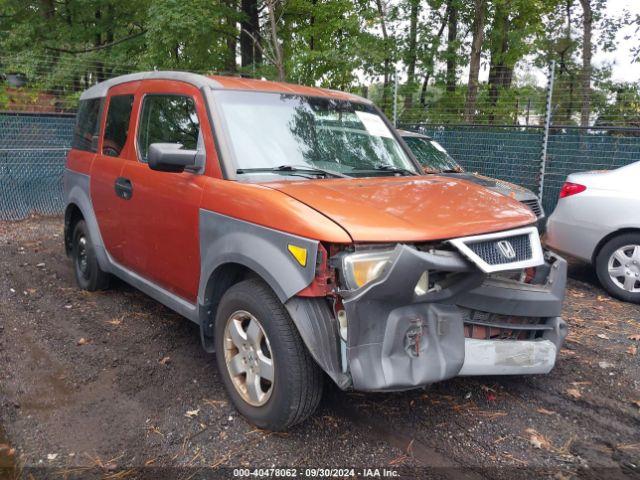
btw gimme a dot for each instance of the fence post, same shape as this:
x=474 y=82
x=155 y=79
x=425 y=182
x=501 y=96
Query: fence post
x=395 y=98
x=545 y=138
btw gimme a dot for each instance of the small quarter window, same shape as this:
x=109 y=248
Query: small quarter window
x=117 y=126
x=168 y=119
x=87 y=129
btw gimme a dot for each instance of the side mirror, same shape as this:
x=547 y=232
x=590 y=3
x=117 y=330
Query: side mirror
x=170 y=157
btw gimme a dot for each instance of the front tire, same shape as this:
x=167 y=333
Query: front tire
x=618 y=267
x=89 y=275
x=264 y=364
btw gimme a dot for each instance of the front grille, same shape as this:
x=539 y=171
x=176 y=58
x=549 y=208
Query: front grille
x=534 y=205
x=490 y=251
x=490 y=326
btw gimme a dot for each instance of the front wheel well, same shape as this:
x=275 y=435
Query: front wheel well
x=72 y=215
x=608 y=237
x=220 y=280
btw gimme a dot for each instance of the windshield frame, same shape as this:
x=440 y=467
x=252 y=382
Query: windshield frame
x=226 y=154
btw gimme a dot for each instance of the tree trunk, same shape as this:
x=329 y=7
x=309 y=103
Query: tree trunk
x=250 y=30
x=500 y=72
x=97 y=41
x=230 y=63
x=387 y=58
x=312 y=21
x=452 y=47
x=277 y=47
x=47 y=9
x=587 y=25
x=432 y=52
x=474 y=64
x=411 y=53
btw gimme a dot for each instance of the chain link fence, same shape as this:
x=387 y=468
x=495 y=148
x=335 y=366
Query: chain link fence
x=33 y=149
x=530 y=132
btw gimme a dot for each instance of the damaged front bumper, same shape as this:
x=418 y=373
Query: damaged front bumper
x=466 y=323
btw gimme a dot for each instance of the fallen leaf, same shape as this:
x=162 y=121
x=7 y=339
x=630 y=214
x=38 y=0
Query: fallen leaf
x=544 y=411
x=115 y=321
x=632 y=350
x=192 y=413
x=82 y=341
x=52 y=456
x=605 y=364
x=164 y=360
x=635 y=337
x=538 y=440
x=602 y=335
x=574 y=393
x=41 y=265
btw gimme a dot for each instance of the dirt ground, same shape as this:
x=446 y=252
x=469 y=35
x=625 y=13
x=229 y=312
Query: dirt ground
x=114 y=385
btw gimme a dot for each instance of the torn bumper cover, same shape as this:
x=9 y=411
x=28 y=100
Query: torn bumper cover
x=467 y=323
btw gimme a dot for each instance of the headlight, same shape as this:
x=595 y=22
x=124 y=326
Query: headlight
x=359 y=269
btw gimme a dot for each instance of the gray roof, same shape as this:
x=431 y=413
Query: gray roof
x=100 y=90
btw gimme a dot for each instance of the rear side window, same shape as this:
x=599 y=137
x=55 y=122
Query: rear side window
x=168 y=119
x=85 y=135
x=117 y=126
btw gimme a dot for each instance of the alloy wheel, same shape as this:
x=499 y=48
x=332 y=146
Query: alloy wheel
x=248 y=358
x=624 y=268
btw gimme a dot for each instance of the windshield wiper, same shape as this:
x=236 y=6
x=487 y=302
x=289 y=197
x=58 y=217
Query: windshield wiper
x=389 y=168
x=294 y=168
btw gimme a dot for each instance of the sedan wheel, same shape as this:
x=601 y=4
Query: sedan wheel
x=247 y=354
x=618 y=266
x=624 y=268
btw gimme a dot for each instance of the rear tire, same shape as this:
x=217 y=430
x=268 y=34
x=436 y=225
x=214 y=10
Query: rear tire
x=618 y=267
x=89 y=275
x=275 y=383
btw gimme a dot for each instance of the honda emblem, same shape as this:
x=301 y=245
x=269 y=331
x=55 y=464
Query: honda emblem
x=506 y=249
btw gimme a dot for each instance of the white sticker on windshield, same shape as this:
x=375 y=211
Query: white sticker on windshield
x=374 y=124
x=438 y=146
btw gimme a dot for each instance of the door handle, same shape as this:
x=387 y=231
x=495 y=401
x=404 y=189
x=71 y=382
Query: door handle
x=124 y=188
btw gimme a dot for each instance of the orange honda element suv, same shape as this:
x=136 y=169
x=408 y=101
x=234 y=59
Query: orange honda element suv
x=291 y=224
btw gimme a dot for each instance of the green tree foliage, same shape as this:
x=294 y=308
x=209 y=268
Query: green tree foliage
x=427 y=46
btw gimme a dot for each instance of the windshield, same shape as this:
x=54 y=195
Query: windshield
x=272 y=130
x=431 y=155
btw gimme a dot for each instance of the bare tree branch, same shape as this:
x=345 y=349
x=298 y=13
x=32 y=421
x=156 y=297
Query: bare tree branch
x=99 y=47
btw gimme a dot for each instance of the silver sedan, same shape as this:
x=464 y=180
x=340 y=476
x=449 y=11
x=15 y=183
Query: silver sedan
x=597 y=219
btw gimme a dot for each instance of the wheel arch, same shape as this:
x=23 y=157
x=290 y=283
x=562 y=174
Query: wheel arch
x=221 y=279
x=610 y=236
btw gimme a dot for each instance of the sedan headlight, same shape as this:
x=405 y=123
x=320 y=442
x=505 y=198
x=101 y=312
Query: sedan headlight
x=359 y=269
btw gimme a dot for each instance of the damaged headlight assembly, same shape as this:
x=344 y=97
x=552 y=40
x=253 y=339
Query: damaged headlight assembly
x=361 y=268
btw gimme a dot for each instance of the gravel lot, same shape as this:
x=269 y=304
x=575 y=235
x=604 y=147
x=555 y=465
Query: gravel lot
x=114 y=385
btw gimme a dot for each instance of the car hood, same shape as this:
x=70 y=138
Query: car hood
x=500 y=186
x=403 y=209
